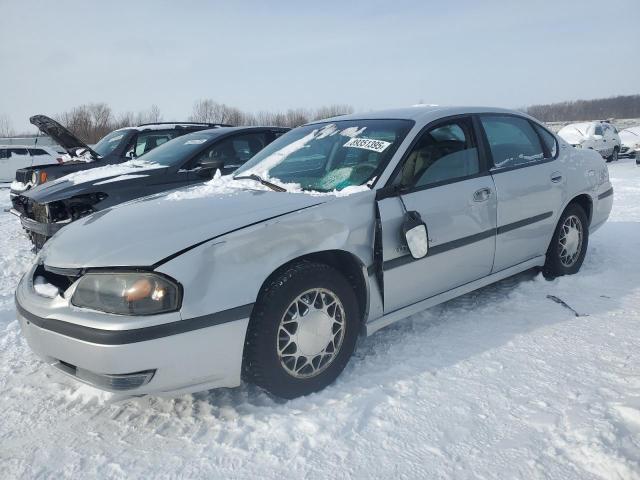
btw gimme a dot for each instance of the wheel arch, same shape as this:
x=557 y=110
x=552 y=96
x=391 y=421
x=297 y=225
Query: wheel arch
x=585 y=201
x=348 y=264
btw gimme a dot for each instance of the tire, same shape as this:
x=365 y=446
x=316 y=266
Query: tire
x=276 y=341
x=567 y=261
x=614 y=155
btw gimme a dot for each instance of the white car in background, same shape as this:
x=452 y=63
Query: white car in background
x=14 y=157
x=599 y=136
x=630 y=138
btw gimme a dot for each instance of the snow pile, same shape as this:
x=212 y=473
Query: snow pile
x=226 y=184
x=500 y=383
x=44 y=288
x=17 y=186
x=80 y=155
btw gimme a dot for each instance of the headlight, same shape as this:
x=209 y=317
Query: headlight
x=127 y=293
x=34 y=178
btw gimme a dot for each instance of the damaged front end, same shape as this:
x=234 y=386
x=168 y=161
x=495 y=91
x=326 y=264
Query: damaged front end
x=42 y=221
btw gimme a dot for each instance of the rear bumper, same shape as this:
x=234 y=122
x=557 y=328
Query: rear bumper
x=133 y=362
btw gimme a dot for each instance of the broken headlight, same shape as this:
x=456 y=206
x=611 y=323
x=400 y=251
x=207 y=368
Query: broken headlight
x=127 y=293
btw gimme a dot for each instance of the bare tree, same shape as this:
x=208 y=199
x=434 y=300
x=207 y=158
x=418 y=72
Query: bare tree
x=6 y=128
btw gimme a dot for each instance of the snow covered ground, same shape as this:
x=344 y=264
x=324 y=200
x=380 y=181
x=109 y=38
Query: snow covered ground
x=501 y=383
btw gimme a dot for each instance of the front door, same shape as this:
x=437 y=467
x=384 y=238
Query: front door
x=444 y=178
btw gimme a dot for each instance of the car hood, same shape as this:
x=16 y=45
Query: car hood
x=91 y=180
x=146 y=231
x=63 y=137
x=629 y=139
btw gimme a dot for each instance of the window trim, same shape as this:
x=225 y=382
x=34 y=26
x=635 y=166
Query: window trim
x=495 y=170
x=482 y=159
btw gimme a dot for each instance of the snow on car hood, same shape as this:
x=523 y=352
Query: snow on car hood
x=145 y=231
x=75 y=183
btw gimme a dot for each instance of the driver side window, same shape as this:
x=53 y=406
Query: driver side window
x=232 y=152
x=444 y=153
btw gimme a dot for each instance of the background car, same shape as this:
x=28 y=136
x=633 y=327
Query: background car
x=630 y=138
x=599 y=136
x=116 y=147
x=15 y=157
x=337 y=228
x=189 y=159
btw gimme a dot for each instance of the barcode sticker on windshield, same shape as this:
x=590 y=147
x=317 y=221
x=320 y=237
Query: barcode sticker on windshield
x=195 y=141
x=368 y=144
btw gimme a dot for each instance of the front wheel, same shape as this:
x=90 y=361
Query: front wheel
x=569 y=243
x=302 y=332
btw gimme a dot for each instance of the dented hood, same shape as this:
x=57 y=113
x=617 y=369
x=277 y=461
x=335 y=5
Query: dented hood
x=146 y=231
x=63 y=137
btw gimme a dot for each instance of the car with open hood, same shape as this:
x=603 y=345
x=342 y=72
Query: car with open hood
x=599 y=136
x=186 y=160
x=630 y=138
x=337 y=228
x=117 y=147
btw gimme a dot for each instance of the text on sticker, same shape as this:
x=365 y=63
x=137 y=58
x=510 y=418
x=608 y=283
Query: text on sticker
x=368 y=144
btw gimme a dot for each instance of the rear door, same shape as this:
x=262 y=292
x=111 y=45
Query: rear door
x=444 y=177
x=600 y=142
x=529 y=184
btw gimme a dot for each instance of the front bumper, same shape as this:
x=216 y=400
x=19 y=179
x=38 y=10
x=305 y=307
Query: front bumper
x=46 y=229
x=162 y=354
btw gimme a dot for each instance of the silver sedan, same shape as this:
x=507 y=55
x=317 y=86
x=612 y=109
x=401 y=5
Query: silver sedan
x=336 y=229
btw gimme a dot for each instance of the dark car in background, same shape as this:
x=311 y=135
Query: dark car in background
x=118 y=146
x=189 y=159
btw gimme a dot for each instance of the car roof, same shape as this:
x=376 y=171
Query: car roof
x=421 y=113
x=218 y=131
x=579 y=125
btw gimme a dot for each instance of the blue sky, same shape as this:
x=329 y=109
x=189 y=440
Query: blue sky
x=279 y=55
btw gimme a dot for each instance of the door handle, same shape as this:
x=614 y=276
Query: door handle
x=482 y=195
x=556 y=177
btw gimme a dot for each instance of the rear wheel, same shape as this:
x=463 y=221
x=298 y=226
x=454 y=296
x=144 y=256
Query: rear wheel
x=302 y=332
x=614 y=155
x=569 y=243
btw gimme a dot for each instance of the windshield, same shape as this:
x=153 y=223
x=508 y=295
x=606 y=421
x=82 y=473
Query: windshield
x=177 y=150
x=329 y=156
x=109 y=143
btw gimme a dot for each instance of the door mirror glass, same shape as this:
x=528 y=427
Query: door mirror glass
x=207 y=167
x=415 y=234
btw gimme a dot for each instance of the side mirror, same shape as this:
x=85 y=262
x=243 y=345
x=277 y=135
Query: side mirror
x=207 y=167
x=131 y=155
x=416 y=235
x=597 y=137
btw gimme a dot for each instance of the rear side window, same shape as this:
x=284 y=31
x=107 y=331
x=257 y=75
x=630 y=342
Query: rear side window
x=598 y=130
x=3 y=153
x=512 y=141
x=15 y=152
x=549 y=141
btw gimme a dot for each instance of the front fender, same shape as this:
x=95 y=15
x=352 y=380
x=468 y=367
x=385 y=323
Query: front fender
x=229 y=271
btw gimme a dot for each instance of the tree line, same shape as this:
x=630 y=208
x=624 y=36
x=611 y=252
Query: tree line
x=92 y=121
x=621 y=106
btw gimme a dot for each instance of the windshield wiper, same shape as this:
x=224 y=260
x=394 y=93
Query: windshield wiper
x=258 y=178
